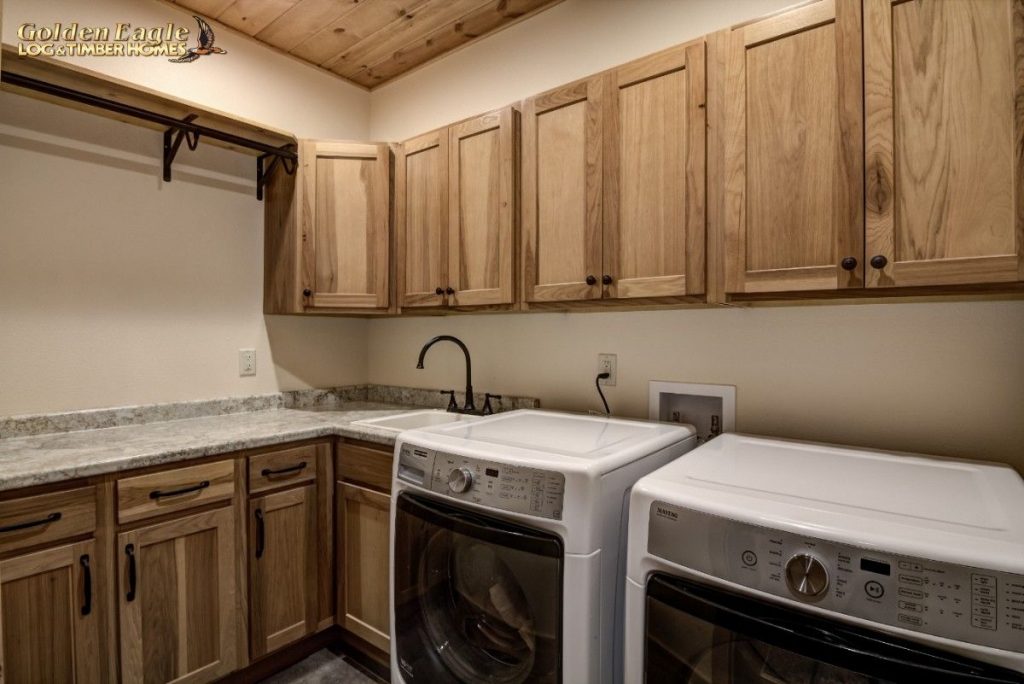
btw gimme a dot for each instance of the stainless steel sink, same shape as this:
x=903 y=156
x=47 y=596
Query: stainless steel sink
x=414 y=419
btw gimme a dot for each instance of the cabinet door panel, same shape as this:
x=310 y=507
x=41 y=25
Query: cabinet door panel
x=943 y=87
x=794 y=166
x=364 y=554
x=179 y=624
x=421 y=209
x=482 y=214
x=283 y=568
x=346 y=219
x=46 y=632
x=562 y=185
x=654 y=187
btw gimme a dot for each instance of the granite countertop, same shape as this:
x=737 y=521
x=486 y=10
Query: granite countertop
x=41 y=459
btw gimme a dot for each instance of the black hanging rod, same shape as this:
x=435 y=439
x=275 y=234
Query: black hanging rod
x=177 y=129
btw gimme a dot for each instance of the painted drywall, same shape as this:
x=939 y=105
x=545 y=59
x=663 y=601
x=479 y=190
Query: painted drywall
x=943 y=378
x=117 y=288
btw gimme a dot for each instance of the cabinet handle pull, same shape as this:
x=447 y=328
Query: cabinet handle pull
x=591 y=280
x=849 y=263
x=129 y=551
x=156 y=493
x=53 y=517
x=87 y=582
x=267 y=472
x=307 y=292
x=260 y=534
x=439 y=291
x=606 y=279
x=879 y=261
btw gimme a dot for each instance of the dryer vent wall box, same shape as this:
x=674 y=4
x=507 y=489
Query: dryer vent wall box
x=710 y=409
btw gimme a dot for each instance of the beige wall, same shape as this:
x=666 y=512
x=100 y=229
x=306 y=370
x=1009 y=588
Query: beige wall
x=117 y=288
x=944 y=378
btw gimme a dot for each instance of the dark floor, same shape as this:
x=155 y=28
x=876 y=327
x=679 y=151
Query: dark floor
x=326 y=666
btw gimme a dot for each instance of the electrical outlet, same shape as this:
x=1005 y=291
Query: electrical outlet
x=606 y=364
x=246 y=362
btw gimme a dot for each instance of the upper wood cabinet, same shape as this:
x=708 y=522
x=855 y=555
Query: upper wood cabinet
x=793 y=157
x=614 y=183
x=328 y=231
x=455 y=210
x=945 y=125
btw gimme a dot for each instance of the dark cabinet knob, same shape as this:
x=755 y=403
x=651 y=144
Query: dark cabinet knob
x=848 y=264
x=591 y=280
x=878 y=261
x=439 y=291
x=606 y=279
x=307 y=292
x=449 y=291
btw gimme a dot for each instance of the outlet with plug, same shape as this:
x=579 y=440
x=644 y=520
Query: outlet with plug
x=606 y=363
x=246 y=362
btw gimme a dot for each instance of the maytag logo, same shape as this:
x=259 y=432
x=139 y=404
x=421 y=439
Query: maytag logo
x=666 y=513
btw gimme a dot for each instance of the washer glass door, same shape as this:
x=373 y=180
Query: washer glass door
x=476 y=598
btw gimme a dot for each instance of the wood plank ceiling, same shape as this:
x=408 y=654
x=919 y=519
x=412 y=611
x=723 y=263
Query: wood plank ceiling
x=368 y=42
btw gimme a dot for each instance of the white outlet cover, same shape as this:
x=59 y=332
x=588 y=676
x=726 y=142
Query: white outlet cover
x=246 y=362
x=609 y=362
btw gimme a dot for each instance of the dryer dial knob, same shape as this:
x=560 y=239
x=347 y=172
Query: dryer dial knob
x=460 y=480
x=806 y=576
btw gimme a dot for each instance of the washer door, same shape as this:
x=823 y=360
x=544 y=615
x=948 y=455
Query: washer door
x=477 y=599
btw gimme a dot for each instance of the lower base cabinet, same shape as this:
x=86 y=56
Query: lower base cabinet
x=49 y=616
x=364 y=552
x=282 y=568
x=176 y=591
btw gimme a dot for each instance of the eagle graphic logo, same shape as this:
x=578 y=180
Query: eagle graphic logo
x=205 y=47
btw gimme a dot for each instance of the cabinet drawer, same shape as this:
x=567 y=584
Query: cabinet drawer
x=368 y=466
x=174 y=490
x=287 y=466
x=46 y=518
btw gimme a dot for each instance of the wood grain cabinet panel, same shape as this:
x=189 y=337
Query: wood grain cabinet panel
x=421 y=220
x=283 y=568
x=174 y=490
x=49 y=616
x=284 y=467
x=46 y=518
x=345 y=218
x=794 y=151
x=176 y=586
x=654 y=188
x=363 y=548
x=945 y=139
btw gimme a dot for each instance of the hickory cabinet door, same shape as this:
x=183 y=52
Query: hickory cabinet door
x=364 y=556
x=282 y=567
x=654 y=179
x=562 y=193
x=346 y=225
x=794 y=188
x=421 y=219
x=945 y=131
x=482 y=211
x=49 y=629
x=176 y=590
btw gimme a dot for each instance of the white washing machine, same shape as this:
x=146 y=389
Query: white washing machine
x=760 y=560
x=508 y=545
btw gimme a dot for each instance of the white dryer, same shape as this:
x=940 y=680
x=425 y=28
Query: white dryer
x=508 y=545
x=762 y=560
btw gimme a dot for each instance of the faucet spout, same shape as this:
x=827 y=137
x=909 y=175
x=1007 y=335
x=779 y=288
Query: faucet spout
x=470 y=407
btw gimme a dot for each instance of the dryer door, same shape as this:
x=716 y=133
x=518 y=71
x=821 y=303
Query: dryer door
x=476 y=598
x=700 y=635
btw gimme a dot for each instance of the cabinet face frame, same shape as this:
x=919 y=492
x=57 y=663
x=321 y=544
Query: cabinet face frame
x=589 y=93
x=847 y=191
x=436 y=141
x=503 y=121
x=222 y=522
x=689 y=60
x=883 y=181
x=378 y=242
x=84 y=636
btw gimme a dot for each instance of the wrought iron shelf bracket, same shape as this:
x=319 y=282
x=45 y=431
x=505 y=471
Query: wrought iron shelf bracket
x=177 y=130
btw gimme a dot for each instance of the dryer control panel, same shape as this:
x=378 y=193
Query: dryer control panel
x=500 y=486
x=968 y=604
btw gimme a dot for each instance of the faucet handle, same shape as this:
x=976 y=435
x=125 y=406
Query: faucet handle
x=488 y=409
x=453 y=406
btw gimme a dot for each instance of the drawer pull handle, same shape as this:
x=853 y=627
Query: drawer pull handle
x=260 y=533
x=87 y=585
x=156 y=493
x=267 y=472
x=129 y=551
x=53 y=517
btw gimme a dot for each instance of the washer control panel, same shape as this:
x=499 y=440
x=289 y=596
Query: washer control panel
x=958 y=602
x=501 y=486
